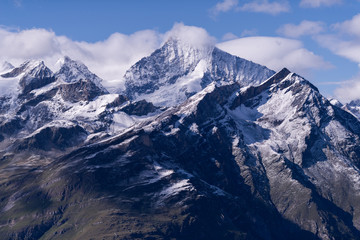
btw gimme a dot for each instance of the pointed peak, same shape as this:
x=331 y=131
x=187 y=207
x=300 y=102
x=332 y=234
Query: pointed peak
x=72 y=71
x=283 y=72
x=66 y=60
x=31 y=64
x=280 y=75
x=30 y=68
x=6 y=66
x=335 y=102
x=355 y=102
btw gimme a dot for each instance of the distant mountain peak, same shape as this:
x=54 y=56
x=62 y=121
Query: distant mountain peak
x=5 y=66
x=31 y=68
x=180 y=69
x=72 y=71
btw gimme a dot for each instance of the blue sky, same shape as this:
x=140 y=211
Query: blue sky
x=325 y=28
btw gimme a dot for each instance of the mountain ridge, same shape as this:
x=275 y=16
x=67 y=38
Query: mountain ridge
x=183 y=70
x=242 y=153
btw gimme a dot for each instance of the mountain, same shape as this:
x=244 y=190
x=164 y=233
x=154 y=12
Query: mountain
x=232 y=151
x=32 y=75
x=70 y=104
x=5 y=66
x=353 y=107
x=73 y=71
x=178 y=70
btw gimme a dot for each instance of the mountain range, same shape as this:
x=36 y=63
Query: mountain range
x=200 y=144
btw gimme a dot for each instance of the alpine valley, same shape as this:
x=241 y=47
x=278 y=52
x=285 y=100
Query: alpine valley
x=200 y=144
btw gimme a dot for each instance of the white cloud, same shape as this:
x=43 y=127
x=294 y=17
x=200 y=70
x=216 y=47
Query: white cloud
x=304 y=28
x=276 y=53
x=351 y=27
x=349 y=49
x=264 y=6
x=345 y=42
x=318 y=3
x=349 y=90
x=229 y=36
x=249 y=32
x=224 y=6
x=194 y=36
x=17 y=3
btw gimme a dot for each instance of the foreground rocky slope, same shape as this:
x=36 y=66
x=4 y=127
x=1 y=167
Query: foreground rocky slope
x=242 y=157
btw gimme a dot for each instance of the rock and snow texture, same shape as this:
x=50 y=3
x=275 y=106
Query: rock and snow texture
x=353 y=107
x=281 y=142
x=178 y=70
x=5 y=67
x=29 y=76
x=73 y=71
x=72 y=95
x=242 y=153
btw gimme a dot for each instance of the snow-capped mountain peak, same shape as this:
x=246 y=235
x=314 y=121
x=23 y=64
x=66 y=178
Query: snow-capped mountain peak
x=179 y=69
x=72 y=71
x=30 y=69
x=187 y=52
x=30 y=75
x=5 y=67
x=35 y=68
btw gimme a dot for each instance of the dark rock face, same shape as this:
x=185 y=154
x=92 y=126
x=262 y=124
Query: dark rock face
x=10 y=126
x=4 y=104
x=35 y=83
x=118 y=101
x=82 y=90
x=139 y=108
x=53 y=138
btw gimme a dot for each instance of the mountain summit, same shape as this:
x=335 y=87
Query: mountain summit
x=72 y=71
x=178 y=70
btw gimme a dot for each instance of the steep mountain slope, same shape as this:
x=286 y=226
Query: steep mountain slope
x=71 y=104
x=178 y=70
x=271 y=161
x=353 y=107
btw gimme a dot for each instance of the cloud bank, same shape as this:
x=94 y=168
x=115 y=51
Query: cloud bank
x=258 y=6
x=264 y=6
x=319 y=3
x=348 y=90
x=191 y=35
x=345 y=42
x=304 y=28
x=223 y=6
x=276 y=53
